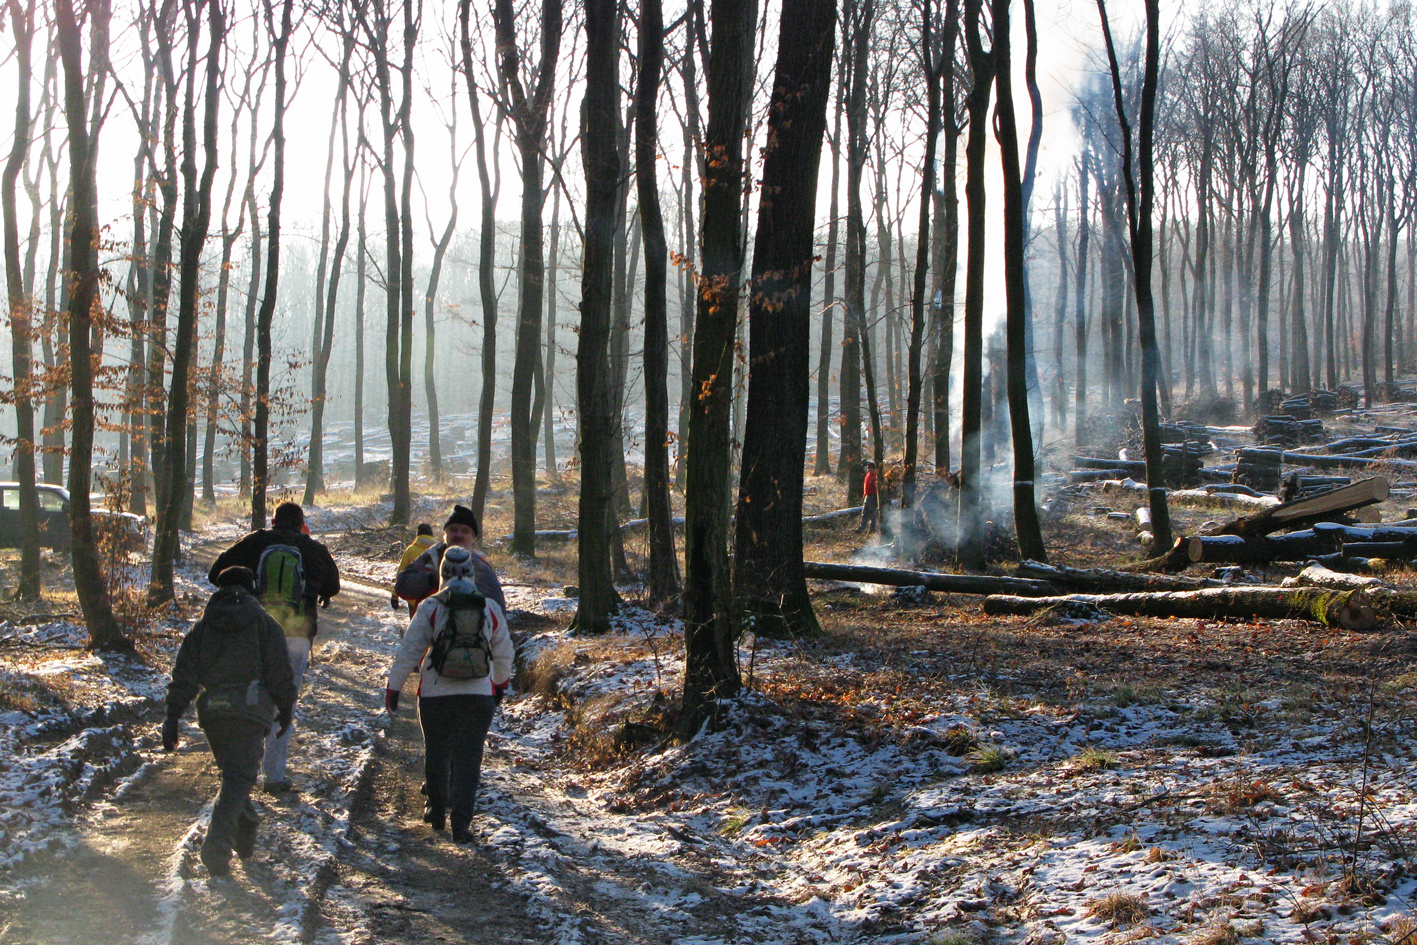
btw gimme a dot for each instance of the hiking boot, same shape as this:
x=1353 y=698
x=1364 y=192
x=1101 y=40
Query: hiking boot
x=277 y=787
x=217 y=869
x=436 y=817
x=245 y=843
x=462 y=835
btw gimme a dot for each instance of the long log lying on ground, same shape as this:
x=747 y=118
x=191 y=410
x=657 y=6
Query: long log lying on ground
x=1316 y=575
x=1232 y=549
x=1350 y=610
x=1303 y=512
x=1347 y=462
x=1389 y=531
x=1194 y=498
x=1104 y=580
x=833 y=518
x=930 y=580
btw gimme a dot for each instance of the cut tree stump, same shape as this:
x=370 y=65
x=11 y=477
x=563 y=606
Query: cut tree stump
x=1350 y=610
x=930 y=580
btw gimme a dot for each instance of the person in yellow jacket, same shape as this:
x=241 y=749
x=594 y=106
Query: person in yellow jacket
x=420 y=544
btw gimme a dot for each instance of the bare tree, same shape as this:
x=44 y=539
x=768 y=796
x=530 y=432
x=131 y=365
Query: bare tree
x=104 y=631
x=196 y=219
x=21 y=346
x=260 y=476
x=527 y=103
x=710 y=667
x=769 y=583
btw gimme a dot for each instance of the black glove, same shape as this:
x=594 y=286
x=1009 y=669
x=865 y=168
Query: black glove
x=391 y=700
x=394 y=601
x=283 y=720
x=170 y=734
x=324 y=602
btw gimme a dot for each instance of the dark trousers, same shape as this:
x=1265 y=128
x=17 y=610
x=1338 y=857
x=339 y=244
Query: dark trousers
x=869 y=507
x=454 y=730
x=237 y=747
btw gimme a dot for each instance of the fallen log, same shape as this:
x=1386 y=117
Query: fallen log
x=833 y=518
x=1347 y=462
x=1392 y=531
x=1350 y=610
x=1193 y=498
x=1107 y=581
x=1316 y=575
x=930 y=580
x=1264 y=549
x=1302 y=512
x=1403 y=550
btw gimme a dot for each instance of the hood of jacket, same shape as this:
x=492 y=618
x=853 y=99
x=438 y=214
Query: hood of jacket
x=229 y=609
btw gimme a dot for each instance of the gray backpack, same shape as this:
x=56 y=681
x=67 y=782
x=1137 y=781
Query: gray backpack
x=461 y=649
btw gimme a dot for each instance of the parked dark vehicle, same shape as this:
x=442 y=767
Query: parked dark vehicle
x=54 y=518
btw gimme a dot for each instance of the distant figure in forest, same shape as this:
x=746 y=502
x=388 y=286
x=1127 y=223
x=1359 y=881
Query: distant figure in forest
x=459 y=646
x=420 y=578
x=295 y=574
x=234 y=663
x=871 y=497
x=422 y=542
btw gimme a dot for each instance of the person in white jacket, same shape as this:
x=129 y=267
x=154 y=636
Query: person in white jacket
x=455 y=706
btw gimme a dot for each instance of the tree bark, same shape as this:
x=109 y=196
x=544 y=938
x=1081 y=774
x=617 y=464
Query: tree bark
x=769 y=587
x=21 y=343
x=84 y=236
x=663 y=560
x=710 y=666
x=196 y=219
x=528 y=110
x=1350 y=610
x=599 y=600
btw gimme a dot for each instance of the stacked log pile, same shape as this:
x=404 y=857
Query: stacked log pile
x=1288 y=432
x=1258 y=469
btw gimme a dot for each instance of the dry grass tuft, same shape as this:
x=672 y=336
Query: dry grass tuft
x=1119 y=909
x=1221 y=933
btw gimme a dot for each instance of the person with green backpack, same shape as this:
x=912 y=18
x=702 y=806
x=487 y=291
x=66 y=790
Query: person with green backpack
x=295 y=576
x=458 y=644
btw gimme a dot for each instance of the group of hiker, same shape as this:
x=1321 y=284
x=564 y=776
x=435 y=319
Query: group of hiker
x=245 y=659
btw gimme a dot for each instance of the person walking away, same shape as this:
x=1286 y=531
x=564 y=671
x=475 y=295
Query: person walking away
x=871 y=497
x=295 y=575
x=234 y=663
x=420 y=579
x=422 y=542
x=458 y=644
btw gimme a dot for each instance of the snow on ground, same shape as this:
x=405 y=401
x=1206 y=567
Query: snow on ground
x=1188 y=815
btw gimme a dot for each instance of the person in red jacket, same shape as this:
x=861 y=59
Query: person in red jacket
x=870 y=499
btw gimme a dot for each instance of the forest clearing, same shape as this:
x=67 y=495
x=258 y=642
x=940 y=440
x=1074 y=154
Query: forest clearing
x=921 y=773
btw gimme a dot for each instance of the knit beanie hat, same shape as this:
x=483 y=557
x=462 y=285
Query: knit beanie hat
x=462 y=515
x=457 y=565
x=237 y=576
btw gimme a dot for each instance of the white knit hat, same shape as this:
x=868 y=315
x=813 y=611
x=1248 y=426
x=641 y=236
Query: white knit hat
x=457 y=564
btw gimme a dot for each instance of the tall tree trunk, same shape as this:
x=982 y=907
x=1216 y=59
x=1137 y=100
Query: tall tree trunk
x=440 y=251
x=196 y=219
x=857 y=37
x=104 y=632
x=486 y=262
x=260 y=476
x=663 y=561
x=971 y=493
x=21 y=345
x=821 y=465
x=933 y=66
x=710 y=667
x=769 y=583
x=529 y=113
x=325 y=307
x=599 y=600
x=1080 y=431
x=946 y=244
x=1139 y=202
x=1030 y=534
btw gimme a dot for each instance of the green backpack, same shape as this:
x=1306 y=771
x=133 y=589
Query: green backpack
x=461 y=650
x=280 y=578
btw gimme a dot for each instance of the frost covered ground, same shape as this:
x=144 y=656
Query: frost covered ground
x=922 y=774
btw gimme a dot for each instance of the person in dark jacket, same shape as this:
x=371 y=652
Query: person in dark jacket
x=421 y=543
x=234 y=663
x=297 y=618
x=420 y=579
